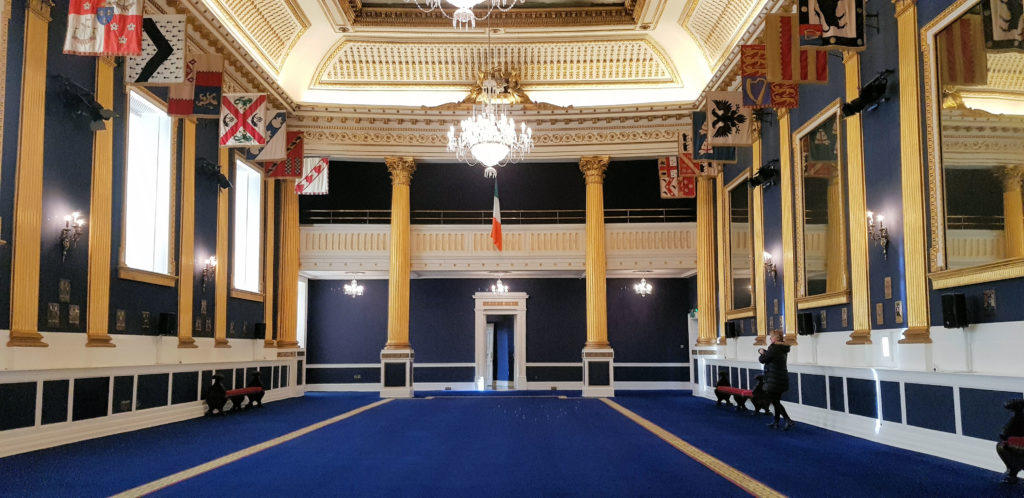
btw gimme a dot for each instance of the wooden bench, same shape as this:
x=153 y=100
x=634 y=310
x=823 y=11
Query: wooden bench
x=1015 y=442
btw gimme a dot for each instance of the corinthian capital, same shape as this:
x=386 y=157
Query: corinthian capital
x=401 y=169
x=593 y=168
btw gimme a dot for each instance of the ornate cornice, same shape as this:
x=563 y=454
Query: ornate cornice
x=593 y=168
x=271 y=27
x=401 y=169
x=903 y=5
x=359 y=16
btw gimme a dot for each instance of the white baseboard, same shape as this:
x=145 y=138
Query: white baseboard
x=365 y=387
x=36 y=438
x=651 y=386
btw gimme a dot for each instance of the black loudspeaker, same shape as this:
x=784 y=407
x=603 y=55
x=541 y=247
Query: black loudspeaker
x=805 y=323
x=954 y=311
x=259 y=330
x=731 y=331
x=167 y=324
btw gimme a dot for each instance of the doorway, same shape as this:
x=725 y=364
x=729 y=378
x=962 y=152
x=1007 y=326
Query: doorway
x=500 y=340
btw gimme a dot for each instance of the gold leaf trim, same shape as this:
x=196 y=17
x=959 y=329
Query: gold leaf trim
x=821 y=300
x=1000 y=270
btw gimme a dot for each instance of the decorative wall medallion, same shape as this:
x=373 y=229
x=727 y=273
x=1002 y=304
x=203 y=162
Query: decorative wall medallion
x=899 y=311
x=64 y=290
x=888 y=287
x=53 y=315
x=844 y=316
x=74 y=315
x=145 y=320
x=202 y=306
x=879 y=314
x=119 y=320
x=989 y=300
x=209 y=325
x=822 y=320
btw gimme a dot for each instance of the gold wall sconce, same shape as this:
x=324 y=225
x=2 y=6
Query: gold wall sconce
x=878 y=234
x=209 y=271
x=69 y=235
x=769 y=266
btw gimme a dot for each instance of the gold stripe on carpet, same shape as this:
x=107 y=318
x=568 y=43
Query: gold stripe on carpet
x=745 y=482
x=240 y=454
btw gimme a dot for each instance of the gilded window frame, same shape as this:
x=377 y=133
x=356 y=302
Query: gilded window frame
x=803 y=301
x=941 y=276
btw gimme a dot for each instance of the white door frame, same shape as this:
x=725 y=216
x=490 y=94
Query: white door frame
x=512 y=303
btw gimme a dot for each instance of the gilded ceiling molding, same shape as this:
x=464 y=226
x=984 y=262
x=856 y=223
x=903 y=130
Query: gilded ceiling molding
x=272 y=27
x=970 y=138
x=541 y=65
x=1006 y=72
x=716 y=25
x=358 y=16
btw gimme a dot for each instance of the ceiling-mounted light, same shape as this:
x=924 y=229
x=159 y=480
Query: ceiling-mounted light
x=499 y=288
x=642 y=287
x=353 y=289
x=463 y=16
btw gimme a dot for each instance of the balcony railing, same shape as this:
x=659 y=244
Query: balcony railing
x=508 y=216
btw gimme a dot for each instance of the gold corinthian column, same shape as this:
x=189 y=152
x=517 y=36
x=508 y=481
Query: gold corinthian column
x=397 y=356
x=858 y=210
x=288 y=281
x=706 y=322
x=598 y=373
x=912 y=172
x=1013 y=210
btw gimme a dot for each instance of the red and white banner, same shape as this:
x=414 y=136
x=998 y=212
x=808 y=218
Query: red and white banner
x=496 y=218
x=98 y=27
x=242 y=120
x=291 y=165
x=314 y=176
x=677 y=177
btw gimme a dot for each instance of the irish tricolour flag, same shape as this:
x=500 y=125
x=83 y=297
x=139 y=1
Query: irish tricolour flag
x=496 y=219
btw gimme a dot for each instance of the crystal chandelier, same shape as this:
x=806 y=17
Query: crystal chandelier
x=499 y=288
x=489 y=137
x=642 y=287
x=353 y=289
x=463 y=16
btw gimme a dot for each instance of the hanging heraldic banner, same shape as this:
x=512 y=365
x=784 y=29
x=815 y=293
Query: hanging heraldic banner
x=99 y=27
x=730 y=121
x=314 y=176
x=242 y=122
x=291 y=165
x=702 y=150
x=837 y=24
x=277 y=145
x=163 y=52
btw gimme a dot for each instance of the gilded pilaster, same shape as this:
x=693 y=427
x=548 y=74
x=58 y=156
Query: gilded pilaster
x=757 y=213
x=788 y=254
x=706 y=306
x=912 y=172
x=858 y=210
x=269 y=187
x=97 y=324
x=220 y=297
x=400 y=255
x=724 y=294
x=28 y=189
x=593 y=168
x=288 y=300
x=1013 y=210
x=186 y=253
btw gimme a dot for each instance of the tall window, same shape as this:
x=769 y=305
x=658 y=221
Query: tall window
x=248 y=197
x=147 y=209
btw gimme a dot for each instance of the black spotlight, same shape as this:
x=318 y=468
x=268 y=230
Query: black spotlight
x=870 y=96
x=81 y=101
x=766 y=175
x=210 y=168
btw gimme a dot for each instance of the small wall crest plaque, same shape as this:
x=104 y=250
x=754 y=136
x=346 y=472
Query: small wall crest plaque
x=879 y=314
x=74 y=315
x=899 y=311
x=64 y=290
x=119 y=321
x=888 y=287
x=53 y=315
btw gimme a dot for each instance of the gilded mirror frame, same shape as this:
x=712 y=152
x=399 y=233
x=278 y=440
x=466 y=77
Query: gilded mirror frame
x=941 y=276
x=726 y=230
x=842 y=296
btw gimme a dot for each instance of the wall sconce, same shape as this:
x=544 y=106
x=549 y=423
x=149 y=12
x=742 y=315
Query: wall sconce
x=209 y=270
x=769 y=266
x=881 y=235
x=70 y=233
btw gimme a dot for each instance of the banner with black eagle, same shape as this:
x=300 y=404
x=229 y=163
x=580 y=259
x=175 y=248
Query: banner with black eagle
x=731 y=123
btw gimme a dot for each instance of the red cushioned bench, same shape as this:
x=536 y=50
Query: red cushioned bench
x=1015 y=442
x=237 y=396
x=740 y=395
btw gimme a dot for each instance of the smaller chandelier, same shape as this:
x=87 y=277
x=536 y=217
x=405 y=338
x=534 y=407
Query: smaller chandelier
x=499 y=288
x=463 y=16
x=642 y=287
x=353 y=289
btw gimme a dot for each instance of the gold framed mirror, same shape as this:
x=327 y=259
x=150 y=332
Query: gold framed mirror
x=974 y=110
x=819 y=198
x=737 y=232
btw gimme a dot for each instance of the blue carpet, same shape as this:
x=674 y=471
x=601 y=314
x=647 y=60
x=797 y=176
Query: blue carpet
x=108 y=465
x=473 y=446
x=807 y=460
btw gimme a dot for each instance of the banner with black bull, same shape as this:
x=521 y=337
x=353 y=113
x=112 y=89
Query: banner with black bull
x=837 y=24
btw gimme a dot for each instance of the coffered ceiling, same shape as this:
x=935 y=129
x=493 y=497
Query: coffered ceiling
x=568 y=52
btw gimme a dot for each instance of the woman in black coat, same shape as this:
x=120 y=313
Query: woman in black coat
x=776 y=376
